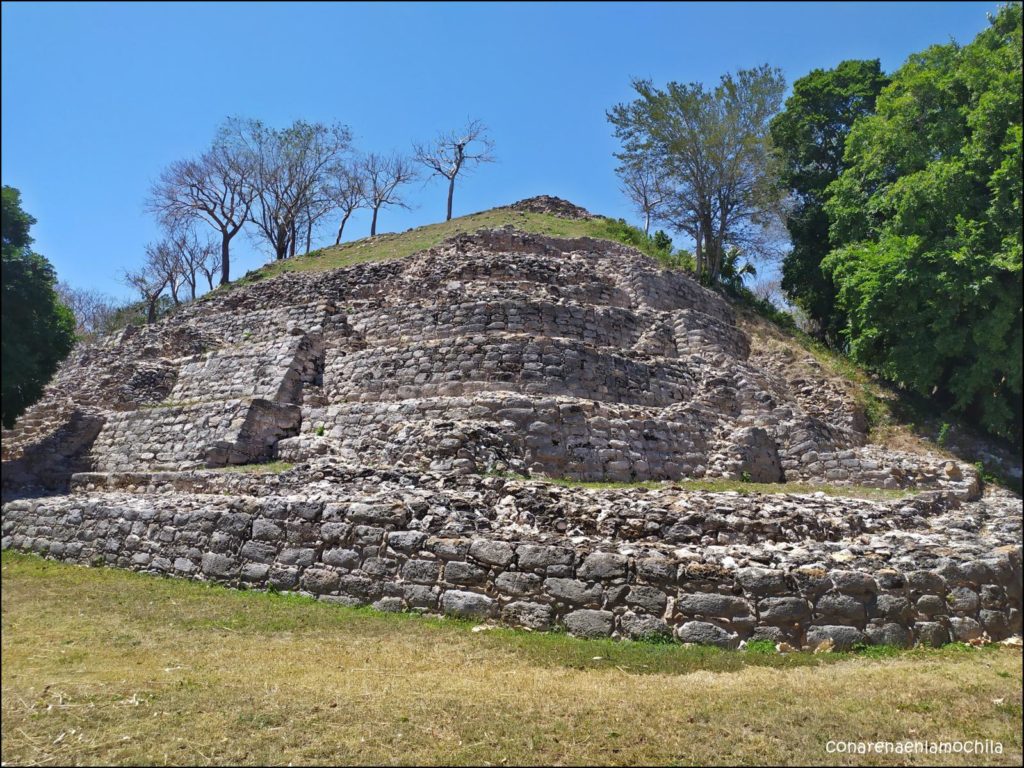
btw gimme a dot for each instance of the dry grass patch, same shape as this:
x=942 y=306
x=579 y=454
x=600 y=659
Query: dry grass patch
x=103 y=666
x=721 y=485
x=398 y=245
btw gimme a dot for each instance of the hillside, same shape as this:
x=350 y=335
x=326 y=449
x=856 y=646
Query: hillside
x=540 y=215
x=893 y=418
x=543 y=429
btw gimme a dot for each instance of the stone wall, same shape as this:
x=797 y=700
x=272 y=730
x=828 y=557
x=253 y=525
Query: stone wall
x=634 y=569
x=210 y=434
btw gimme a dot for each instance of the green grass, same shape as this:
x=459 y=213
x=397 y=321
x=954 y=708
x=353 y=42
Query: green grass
x=391 y=246
x=106 y=666
x=718 y=485
x=269 y=467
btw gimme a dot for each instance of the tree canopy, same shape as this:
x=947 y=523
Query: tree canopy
x=925 y=227
x=38 y=330
x=810 y=138
x=712 y=146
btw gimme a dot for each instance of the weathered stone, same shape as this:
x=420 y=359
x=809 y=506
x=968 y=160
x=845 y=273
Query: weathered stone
x=342 y=558
x=891 y=634
x=218 y=565
x=712 y=605
x=466 y=604
x=267 y=530
x=931 y=634
x=319 y=580
x=517 y=584
x=524 y=614
x=652 y=600
x=589 y=623
x=962 y=600
x=854 y=583
x=537 y=557
x=464 y=573
x=406 y=541
x=603 y=566
x=703 y=633
x=573 y=591
x=965 y=629
x=840 y=609
x=421 y=571
x=783 y=610
x=642 y=626
x=491 y=552
x=762 y=582
x=843 y=638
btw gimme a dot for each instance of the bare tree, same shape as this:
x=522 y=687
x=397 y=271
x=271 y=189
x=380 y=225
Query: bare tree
x=149 y=280
x=92 y=309
x=291 y=170
x=453 y=152
x=347 y=190
x=645 y=188
x=215 y=188
x=164 y=259
x=194 y=257
x=383 y=177
x=211 y=267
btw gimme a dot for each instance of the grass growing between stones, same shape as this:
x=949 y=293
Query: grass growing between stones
x=267 y=467
x=718 y=485
x=105 y=666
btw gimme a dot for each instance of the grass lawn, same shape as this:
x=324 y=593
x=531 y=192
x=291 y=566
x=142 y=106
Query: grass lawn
x=105 y=666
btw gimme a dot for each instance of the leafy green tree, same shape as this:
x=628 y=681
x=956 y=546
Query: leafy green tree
x=926 y=228
x=734 y=274
x=810 y=138
x=713 y=149
x=38 y=331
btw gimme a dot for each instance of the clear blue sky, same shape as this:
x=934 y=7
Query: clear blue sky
x=97 y=98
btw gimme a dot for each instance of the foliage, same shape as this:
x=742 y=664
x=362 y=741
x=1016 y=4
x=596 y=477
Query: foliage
x=714 y=151
x=810 y=137
x=926 y=228
x=658 y=247
x=733 y=275
x=38 y=330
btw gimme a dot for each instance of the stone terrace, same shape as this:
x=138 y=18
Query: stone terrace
x=397 y=388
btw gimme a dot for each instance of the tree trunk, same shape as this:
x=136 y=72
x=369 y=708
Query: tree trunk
x=342 y=227
x=309 y=234
x=224 y=261
x=451 y=193
x=192 y=286
x=647 y=222
x=151 y=310
x=699 y=255
x=373 y=223
x=294 y=237
x=281 y=246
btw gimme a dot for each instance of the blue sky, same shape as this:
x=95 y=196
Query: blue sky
x=97 y=98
